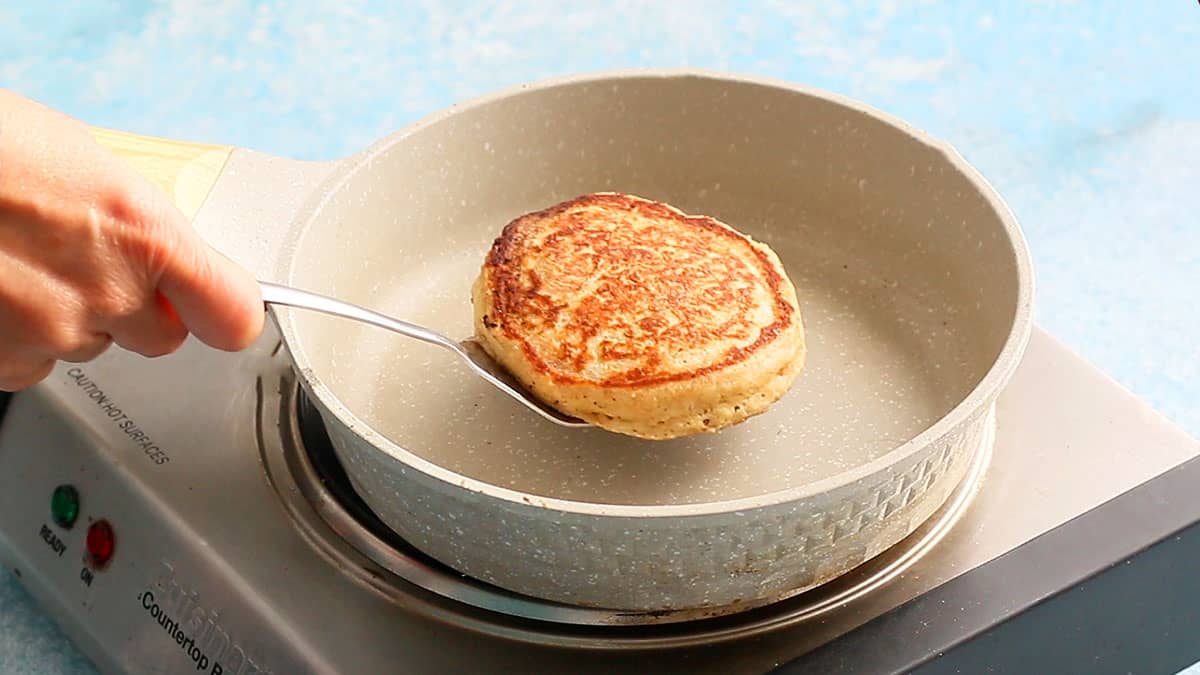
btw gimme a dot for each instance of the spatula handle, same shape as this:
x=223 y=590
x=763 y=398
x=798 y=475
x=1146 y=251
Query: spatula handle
x=185 y=171
x=276 y=294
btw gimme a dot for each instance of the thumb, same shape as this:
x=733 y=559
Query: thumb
x=216 y=299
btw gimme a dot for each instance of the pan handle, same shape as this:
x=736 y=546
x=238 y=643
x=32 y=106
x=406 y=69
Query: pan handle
x=185 y=171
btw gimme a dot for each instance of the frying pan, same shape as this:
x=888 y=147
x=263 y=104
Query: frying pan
x=915 y=286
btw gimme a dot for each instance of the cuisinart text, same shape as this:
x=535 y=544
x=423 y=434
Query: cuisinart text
x=195 y=629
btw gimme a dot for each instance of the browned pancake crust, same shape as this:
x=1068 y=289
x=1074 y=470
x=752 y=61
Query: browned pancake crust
x=655 y=290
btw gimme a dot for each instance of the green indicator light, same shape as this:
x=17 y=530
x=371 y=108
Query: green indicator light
x=64 y=505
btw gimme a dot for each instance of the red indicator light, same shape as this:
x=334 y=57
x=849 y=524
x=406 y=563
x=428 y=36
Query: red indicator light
x=100 y=542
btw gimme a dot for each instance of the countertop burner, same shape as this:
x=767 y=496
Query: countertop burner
x=240 y=546
x=320 y=478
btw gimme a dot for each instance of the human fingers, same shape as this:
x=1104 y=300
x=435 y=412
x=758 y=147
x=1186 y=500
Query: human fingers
x=216 y=299
x=88 y=350
x=153 y=330
x=21 y=373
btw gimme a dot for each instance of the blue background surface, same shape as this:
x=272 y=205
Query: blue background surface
x=1085 y=116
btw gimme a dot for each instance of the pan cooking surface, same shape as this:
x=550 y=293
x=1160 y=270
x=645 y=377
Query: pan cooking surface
x=906 y=276
x=874 y=379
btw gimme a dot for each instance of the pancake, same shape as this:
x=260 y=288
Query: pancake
x=638 y=318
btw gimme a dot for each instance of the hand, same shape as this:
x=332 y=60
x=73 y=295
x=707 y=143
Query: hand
x=91 y=253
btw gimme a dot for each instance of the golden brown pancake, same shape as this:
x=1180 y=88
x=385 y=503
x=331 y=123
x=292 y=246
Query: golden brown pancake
x=638 y=318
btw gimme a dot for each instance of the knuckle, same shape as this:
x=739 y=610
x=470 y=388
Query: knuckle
x=62 y=341
x=57 y=335
x=96 y=346
x=126 y=206
x=149 y=253
x=145 y=235
x=112 y=300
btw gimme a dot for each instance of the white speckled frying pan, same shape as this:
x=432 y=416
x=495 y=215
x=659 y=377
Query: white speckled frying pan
x=914 y=282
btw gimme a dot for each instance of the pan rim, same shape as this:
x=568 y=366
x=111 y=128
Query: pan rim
x=981 y=397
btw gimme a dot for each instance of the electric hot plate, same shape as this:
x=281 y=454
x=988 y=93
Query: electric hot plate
x=188 y=514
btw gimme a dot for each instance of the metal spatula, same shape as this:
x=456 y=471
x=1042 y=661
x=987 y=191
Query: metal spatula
x=470 y=351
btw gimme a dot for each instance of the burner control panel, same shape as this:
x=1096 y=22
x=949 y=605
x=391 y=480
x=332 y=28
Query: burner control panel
x=112 y=542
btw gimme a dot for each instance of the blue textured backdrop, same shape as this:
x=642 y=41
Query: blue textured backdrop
x=1085 y=115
